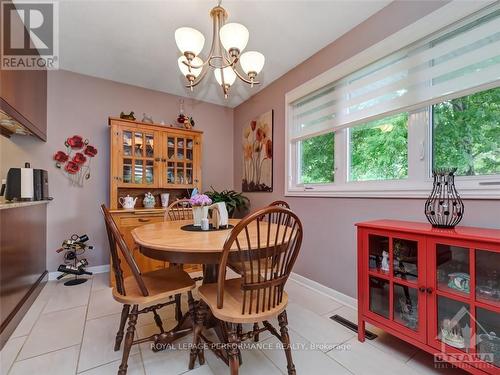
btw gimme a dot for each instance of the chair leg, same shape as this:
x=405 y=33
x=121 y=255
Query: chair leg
x=285 y=339
x=178 y=309
x=129 y=339
x=158 y=321
x=119 y=334
x=256 y=336
x=233 y=350
x=197 y=349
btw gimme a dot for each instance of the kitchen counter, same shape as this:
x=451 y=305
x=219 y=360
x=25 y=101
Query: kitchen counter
x=23 y=253
x=6 y=204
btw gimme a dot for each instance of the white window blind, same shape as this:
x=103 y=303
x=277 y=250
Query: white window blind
x=459 y=61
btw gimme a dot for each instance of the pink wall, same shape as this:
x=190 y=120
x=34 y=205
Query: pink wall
x=79 y=104
x=329 y=250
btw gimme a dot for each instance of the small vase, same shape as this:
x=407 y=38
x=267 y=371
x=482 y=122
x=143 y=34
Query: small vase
x=199 y=212
x=444 y=208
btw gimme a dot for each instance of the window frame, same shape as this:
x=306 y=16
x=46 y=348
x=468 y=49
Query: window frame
x=419 y=181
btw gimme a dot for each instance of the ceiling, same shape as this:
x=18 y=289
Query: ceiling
x=133 y=41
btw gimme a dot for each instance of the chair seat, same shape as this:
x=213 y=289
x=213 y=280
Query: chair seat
x=233 y=303
x=160 y=284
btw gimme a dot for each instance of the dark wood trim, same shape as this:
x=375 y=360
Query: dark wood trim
x=12 y=112
x=14 y=318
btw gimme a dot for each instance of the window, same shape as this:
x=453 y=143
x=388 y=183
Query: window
x=316 y=159
x=466 y=134
x=380 y=129
x=379 y=149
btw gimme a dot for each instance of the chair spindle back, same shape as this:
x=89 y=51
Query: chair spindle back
x=179 y=210
x=116 y=241
x=264 y=246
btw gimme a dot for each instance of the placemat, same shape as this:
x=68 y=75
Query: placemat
x=192 y=228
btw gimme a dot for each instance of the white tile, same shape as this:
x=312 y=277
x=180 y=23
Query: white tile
x=423 y=363
x=33 y=313
x=306 y=358
x=60 y=362
x=171 y=361
x=365 y=359
x=9 y=353
x=135 y=367
x=319 y=330
x=99 y=342
x=100 y=281
x=102 y=303
x=254 y=363
x=314 y=301
x=54 y=331
x=202 y=370
x=393 y=346
x=66 y=297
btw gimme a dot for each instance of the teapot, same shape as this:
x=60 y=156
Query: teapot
x=127 y=202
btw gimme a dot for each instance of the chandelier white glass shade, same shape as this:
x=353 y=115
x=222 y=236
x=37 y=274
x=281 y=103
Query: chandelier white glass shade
x=229 y=76
x=189 y=40
x=228 y=42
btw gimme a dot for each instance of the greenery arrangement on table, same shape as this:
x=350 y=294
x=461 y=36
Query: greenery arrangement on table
x=235 y=202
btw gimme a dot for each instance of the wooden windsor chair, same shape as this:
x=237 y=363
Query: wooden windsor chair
x=280 y=204
x=150 y=289
x=254 y=296
x=179 y=210
x=272 y=218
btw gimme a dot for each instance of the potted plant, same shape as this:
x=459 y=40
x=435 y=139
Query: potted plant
x=235 y=202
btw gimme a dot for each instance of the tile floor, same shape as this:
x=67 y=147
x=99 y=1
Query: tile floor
x=71 y=330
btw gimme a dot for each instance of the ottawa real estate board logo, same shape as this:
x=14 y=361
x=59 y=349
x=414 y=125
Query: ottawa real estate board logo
x=29 y=35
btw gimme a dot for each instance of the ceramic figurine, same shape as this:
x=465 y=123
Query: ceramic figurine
x=149 y=200
x=130 y=116
x=459 y=281
x=407 y=313
x=146 y=118
x=451 y=334
x=385 y=261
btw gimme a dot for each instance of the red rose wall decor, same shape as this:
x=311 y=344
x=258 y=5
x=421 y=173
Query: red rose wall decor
x=75 y=161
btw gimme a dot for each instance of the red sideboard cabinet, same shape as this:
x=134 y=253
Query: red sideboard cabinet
x=438 y=289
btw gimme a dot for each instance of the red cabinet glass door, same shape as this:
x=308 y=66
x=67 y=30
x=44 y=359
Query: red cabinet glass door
x=464 y=301
x=396 y=281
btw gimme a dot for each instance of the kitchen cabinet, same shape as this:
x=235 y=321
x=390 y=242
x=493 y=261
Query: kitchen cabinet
x=23 y=96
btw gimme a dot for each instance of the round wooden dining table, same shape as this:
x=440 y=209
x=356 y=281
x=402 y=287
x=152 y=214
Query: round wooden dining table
x=167 y=241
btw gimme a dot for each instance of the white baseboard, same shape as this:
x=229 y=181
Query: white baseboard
x=328 y=292
x=95 y=269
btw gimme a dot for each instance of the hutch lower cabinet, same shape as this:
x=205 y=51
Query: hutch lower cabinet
x=150 y=158
x=438 y=289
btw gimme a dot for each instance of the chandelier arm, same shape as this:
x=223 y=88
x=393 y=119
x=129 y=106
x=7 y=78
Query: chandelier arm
x=197 y=81
x=240 y=76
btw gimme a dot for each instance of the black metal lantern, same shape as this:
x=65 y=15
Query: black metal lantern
x=444 y=208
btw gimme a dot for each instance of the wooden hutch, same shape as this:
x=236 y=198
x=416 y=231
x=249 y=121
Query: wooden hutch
x=150 y=158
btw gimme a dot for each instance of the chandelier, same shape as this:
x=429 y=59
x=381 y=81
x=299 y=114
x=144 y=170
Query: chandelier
x=228 y=42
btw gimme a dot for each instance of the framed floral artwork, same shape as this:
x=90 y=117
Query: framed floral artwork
x=258 y=154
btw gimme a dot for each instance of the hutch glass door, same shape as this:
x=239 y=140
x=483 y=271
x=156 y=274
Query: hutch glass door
x=179 y=170
x=139 y=157
x=395 y=276
x=467 y=301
